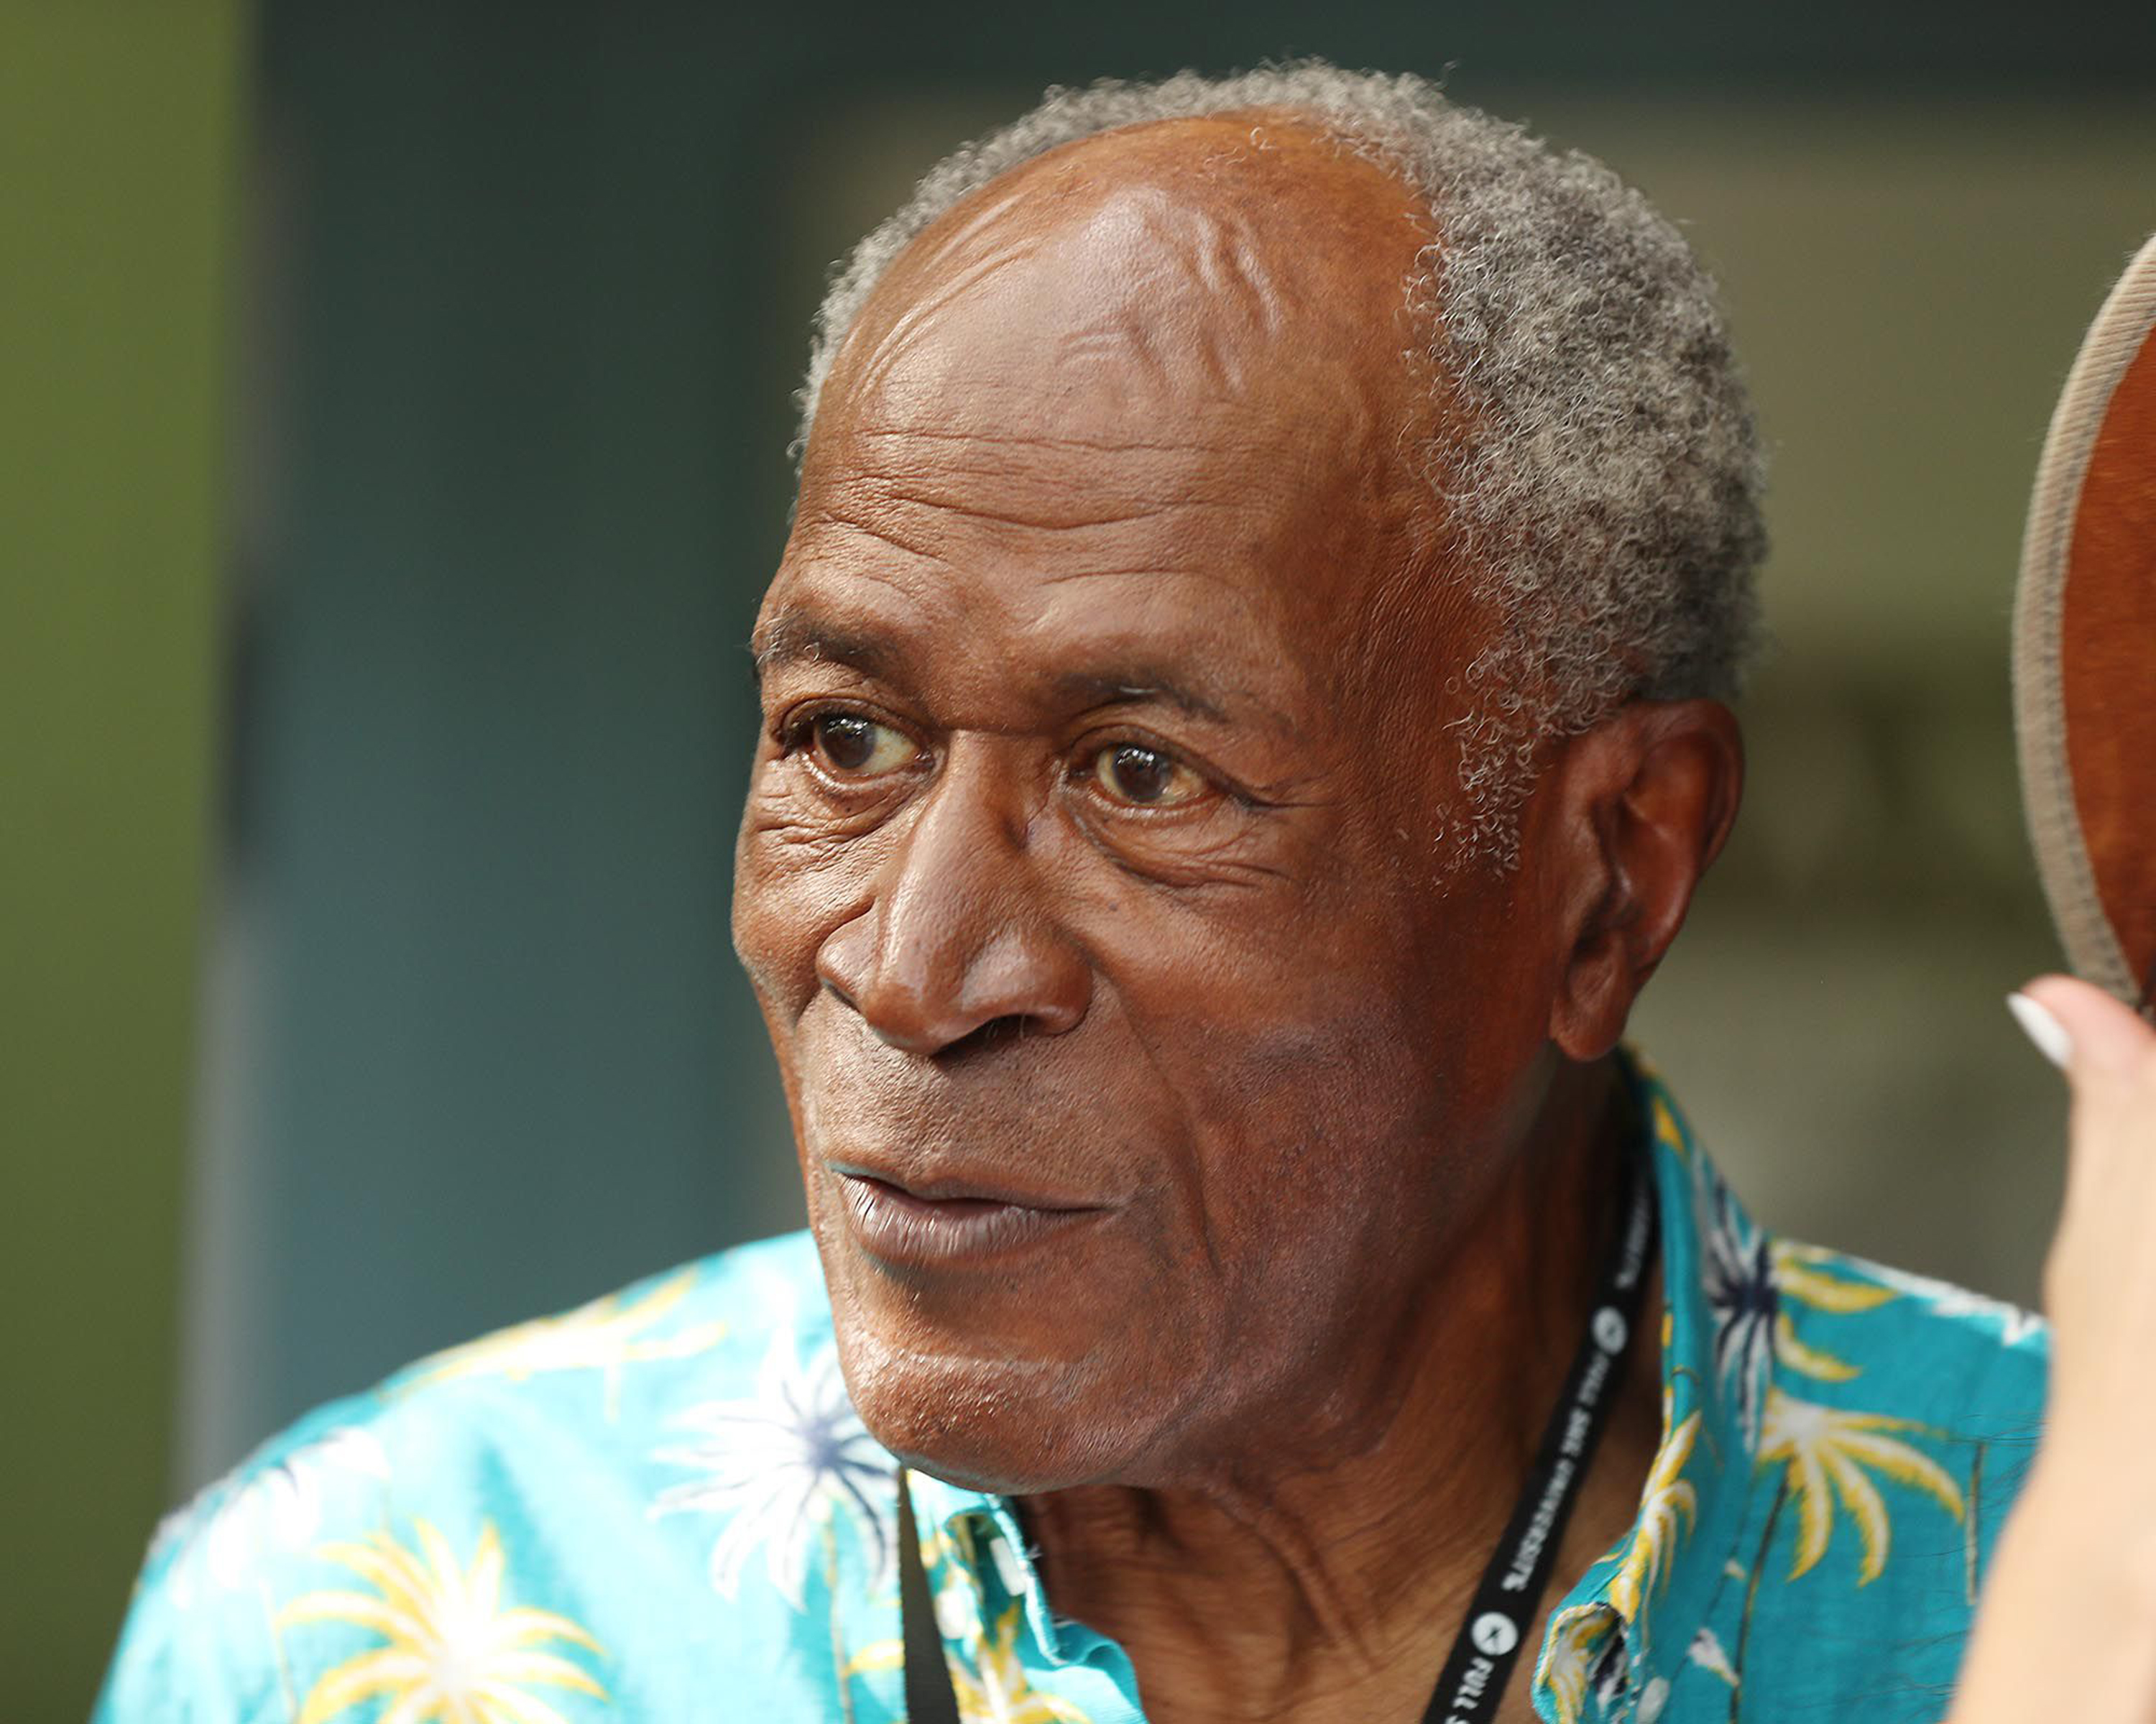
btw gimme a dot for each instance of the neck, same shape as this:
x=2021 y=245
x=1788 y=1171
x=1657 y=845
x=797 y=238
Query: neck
x=1335 y=1591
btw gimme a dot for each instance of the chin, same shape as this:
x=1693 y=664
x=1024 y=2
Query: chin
x=1011 y=1427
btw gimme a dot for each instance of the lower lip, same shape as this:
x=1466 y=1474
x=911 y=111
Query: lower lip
x=901 y=1229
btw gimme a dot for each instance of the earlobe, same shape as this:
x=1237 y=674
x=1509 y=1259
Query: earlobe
x=1651 y=795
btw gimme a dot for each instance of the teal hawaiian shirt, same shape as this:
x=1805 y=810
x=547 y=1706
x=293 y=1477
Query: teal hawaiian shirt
x=661 y=1507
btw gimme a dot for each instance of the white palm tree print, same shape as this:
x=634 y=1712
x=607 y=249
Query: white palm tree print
x=779 y=1466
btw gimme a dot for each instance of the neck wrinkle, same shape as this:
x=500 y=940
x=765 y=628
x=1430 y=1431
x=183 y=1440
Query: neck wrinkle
x=1325 y=1590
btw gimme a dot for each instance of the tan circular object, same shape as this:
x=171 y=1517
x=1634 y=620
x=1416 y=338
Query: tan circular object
x=2085 y=648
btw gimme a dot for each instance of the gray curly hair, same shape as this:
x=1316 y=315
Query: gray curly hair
x=1606 y=481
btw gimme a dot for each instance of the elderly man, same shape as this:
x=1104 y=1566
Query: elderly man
x=1243 y=718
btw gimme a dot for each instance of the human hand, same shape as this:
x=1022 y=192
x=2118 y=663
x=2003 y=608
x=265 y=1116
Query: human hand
x=2069 y=1610
x=2100 y=1279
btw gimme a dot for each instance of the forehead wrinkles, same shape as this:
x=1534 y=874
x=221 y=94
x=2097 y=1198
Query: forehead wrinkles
x=1144 y=292
x=1176 y=343
x=1210 y=257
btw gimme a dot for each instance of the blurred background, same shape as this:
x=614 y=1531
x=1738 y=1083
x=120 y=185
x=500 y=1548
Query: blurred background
x=393 y=402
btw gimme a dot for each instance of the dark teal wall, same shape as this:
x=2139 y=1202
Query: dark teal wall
x=488 y=1049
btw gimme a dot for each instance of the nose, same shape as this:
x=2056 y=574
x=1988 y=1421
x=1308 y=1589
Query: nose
x=957 y=940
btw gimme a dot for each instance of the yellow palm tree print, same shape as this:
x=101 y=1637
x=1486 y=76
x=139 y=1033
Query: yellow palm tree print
x=604 y=1336
x=1832 y=1454
x=454 y=1655
x=996 y=1691
x=1577 y=1638
x=1800 y=1275
x=1668 y=1507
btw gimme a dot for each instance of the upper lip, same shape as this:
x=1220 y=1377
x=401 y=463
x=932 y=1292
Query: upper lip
x=942 y=1187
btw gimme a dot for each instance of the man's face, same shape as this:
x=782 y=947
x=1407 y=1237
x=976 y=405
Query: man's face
x=1143 y=1042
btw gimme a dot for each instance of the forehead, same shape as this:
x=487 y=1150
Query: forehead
x=1154 y=382
x=1236 y=264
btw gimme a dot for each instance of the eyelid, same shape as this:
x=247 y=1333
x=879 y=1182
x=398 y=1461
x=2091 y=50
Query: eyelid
x=791 y=731
x=1085 y=761
x=792 y=723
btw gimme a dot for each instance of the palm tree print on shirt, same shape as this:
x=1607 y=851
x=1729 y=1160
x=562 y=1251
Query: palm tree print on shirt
x=780 y=1465
x=223 y=1536
x=995 y=1690
x=604 y=1336
x=2014 y=1326
x=1828 y=1453
x=1669 y=1505
x=452 y=1653
x=1831 y=1453
x=1585 y=1656
x=1750 y=1279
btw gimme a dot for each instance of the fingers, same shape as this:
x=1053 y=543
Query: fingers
x=2109 y=1058
x=2100 y=1279
x=2083 y=1030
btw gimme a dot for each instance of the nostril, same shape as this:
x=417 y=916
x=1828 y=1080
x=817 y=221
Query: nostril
x=917 y=988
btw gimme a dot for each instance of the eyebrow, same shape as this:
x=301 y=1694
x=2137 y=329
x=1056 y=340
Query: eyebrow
x=797 y=636
x=1130 y=683
x=804 y=636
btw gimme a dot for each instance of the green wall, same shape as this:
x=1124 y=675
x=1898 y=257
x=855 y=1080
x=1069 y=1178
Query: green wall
x=116 y=138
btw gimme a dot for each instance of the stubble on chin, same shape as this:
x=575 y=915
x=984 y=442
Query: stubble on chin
x=1011 y=1426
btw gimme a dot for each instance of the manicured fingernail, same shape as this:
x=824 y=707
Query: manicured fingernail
x=2042 y=1028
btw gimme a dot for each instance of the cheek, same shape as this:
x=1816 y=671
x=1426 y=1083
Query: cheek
x=1310 y=1146
x=1332 y=1064
x=1278 y=1067
x=789 y=896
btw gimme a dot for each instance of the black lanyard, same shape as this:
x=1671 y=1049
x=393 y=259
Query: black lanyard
x=1505 y=1604
x=1503 y=1608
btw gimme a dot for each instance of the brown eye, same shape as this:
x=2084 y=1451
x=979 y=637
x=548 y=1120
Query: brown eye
x=1145 y=778
x=855 y=746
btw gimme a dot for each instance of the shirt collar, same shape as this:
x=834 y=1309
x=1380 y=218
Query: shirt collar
x=1607 y=1638
x=1718 y=1339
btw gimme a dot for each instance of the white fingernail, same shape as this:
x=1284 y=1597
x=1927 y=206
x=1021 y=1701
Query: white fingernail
x=2042 y=1028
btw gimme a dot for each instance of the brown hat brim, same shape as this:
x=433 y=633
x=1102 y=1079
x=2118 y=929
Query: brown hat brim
x=2085 y=648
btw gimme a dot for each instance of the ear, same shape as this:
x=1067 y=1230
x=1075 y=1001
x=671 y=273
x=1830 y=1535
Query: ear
x=1642 y=803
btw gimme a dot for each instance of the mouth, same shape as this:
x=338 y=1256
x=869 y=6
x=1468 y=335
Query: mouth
x=925 y=1222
